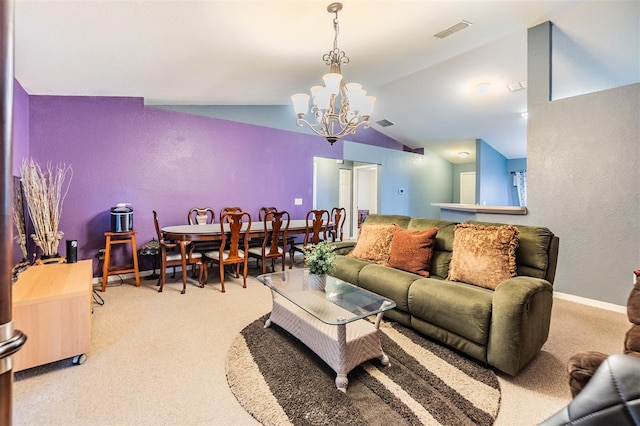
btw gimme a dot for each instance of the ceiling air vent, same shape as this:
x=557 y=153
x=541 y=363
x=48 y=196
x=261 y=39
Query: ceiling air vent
x=514 y=87
x=453 y=29
x=384 y=123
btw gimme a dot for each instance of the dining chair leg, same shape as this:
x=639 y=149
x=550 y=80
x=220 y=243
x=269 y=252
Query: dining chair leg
x=222 y=277
x=163 y=273
x=244 y=274
x=237 y=272
x=160 y=283
x=201 y=273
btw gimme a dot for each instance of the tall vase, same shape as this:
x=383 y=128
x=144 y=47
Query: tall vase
x=317 y=282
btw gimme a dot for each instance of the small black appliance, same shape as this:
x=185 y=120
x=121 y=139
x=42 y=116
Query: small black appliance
x=122 y=218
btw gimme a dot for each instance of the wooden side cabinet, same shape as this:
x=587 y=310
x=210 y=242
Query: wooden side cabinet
x=52 y=306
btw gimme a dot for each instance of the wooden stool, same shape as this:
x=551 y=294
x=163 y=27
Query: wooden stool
x=119 y=238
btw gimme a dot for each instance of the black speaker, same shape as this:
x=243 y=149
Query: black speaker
x=72 y=251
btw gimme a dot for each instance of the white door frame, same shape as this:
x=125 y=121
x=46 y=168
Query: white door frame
x=344 y=199
x=372 y=170
x=463 y=177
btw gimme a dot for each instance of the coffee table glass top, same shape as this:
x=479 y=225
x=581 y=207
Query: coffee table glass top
x=339 y=302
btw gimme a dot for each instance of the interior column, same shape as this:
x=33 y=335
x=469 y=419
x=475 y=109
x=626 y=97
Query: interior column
x=10 y=339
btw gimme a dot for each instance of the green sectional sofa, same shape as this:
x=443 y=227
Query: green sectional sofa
x=504 y=328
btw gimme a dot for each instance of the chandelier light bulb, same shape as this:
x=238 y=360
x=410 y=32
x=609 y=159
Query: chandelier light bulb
x=300 y=103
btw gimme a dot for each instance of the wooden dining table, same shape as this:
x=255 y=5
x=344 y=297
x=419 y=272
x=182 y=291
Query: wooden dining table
x=185 y=234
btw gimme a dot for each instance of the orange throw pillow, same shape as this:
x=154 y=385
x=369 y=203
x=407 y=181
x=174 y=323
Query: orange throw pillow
x=412 y=250
x=373 y=243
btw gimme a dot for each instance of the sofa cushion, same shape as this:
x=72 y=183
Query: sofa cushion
x=373 y=243
x=348 y=268
x=412 y=250
x=388 y=219
x=532 y=255
x=444 y=243
x=388 y=282
x=483 y=255
x=462 y=309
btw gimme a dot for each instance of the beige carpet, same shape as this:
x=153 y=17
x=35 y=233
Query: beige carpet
x=159 y=359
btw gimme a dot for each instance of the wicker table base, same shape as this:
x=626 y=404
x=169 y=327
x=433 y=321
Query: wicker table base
x=343 y=346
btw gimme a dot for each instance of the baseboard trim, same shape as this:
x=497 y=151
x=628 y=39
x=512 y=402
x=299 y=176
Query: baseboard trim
x=130 y=275
x=591 y=302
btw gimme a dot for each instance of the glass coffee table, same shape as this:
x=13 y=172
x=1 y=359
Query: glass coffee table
x=328 y=318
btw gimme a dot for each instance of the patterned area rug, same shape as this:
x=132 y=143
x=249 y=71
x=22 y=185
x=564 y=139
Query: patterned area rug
x=279 y=381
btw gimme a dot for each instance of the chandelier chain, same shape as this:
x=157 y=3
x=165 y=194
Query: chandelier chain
x=336 y=57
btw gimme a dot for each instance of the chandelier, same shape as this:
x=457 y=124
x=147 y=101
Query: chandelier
x=339 y=109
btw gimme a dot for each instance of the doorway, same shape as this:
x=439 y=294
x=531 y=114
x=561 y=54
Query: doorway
x=344 y=198
x=365 y=189
x=468 y=188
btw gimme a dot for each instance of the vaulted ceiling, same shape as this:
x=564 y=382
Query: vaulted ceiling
x=236 y=52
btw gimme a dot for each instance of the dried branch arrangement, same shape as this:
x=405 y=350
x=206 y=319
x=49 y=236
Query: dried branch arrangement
x=44 y=191
x=19 y=219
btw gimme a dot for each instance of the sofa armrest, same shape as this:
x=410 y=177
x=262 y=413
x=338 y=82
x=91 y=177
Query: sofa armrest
x=519 y=322
x=344 y=247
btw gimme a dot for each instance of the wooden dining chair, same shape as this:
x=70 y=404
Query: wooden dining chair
x=338 y=217
x=229 y=210
x=274 y=243
x=234 y=246
x=171 y=257
x=264 y=211
x=317 y=222
x=201 y=216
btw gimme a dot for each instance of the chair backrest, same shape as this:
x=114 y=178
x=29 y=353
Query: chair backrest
x=316 y=226
x=237 y=232
x=201 y=216
x=264 y=211
x=338 y=217
x=229 y=210
x=278 y=225
x=163 y=243
x=155 y=222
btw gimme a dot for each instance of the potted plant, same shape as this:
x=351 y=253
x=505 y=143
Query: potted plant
x=44 y=192
x=319 y=260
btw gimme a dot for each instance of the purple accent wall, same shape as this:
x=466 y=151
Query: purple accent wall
x=20 y=142
x=20 y=129
x=123 y=152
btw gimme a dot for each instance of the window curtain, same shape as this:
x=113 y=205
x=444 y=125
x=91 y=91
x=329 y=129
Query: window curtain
x=521 y=185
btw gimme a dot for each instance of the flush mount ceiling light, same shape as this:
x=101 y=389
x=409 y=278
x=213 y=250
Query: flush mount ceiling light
x=463 y=154
x=483 y=88
x=338 y=108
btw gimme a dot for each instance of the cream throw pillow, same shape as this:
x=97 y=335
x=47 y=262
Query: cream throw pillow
x=374 y=243
x=483 y=255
